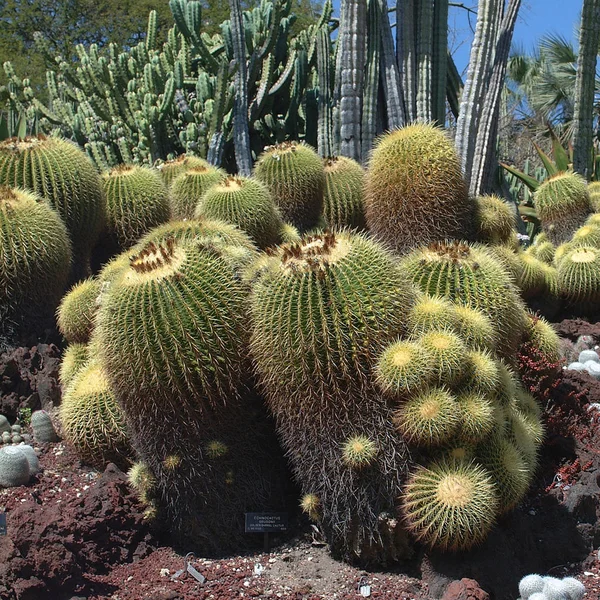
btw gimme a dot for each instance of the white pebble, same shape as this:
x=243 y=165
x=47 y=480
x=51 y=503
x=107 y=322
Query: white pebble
x=586 y=355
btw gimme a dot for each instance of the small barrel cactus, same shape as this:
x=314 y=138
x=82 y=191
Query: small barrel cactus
x=43 y=429
x=75 y=315
x=295 y=176
x=170 y=169
x=244 y=202
x=136 y=201
x=4 y=424
x=188 y=188
x=343 y=201
x=14 y=467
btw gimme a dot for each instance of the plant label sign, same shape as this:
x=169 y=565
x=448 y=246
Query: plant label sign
x=266 y=522
x=2 y=523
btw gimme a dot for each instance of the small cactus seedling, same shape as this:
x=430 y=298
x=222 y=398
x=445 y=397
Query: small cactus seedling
x=359 y=451
x=311 y=505
x=429 y=418
x=403 y=367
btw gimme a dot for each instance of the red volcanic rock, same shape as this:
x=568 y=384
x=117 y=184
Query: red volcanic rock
x=465 y=589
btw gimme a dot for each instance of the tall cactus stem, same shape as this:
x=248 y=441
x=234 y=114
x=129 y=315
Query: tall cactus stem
x=424 y=45
x=405 y=49
x=352 y=62
x=439 y=61
x=589 y=38
x=241 y=132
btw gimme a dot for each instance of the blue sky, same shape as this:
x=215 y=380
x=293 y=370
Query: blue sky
x=536 y=18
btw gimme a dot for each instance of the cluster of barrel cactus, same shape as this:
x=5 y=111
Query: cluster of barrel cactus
x=383 y=373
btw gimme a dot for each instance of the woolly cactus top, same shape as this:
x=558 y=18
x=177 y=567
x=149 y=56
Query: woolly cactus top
x=315 y=253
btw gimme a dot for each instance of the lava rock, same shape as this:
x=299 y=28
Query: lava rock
x=465 y=589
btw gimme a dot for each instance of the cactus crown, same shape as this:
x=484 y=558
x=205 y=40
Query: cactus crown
x=454 y=251
x=155 y=258
x=314 y=252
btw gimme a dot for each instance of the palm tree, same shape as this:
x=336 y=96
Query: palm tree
x=543 y=84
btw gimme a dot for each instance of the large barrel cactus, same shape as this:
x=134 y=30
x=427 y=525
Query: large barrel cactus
x=322 y=310
x=415 y=191
x=60 y=172
x=171 y=333
x=136 y=201
x=35 y=256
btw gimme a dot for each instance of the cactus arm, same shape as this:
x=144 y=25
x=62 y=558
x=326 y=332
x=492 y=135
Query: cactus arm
x=151 y=31
x=484 y=160
x=424 y=45
x=589 y=38
x=325 y=125
x=371 y=86
x=392 y=86
x=405 y=49
x=477 y=76
x=439 y=63
x=241 y=130
x=352 y=61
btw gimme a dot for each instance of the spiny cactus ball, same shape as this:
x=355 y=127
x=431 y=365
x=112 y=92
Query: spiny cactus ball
x=343 y=201
x=448 y=353
x=415 y=192
x=587 y=235
x=60 y=172
x=450 y=505
x=311 y=505
x=563 y=205
x=170 y=169
x=189 y=187
x=136 y=201
x=579 y=274
x=91 y=419
x=404 y=367
x=359 y=451
x=75 y=315
x=495 y=220
x=431 y=312
x=476 y=416
x=246 y=203
x=295 y=176
x=471 y=276
x=429 y=418
x=73 y=359
x=35 y=254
